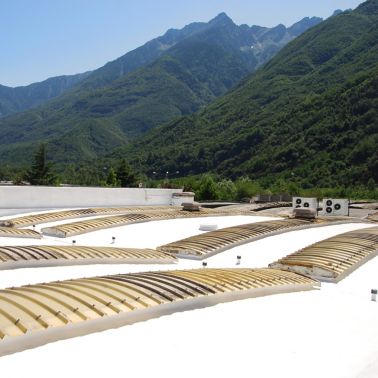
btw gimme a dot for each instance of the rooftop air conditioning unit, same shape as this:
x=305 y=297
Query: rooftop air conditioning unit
x=307 y=203
x=335 y=207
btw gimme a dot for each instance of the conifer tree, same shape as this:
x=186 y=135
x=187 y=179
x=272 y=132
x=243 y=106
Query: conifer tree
x=40 y=171
x=111 y=180
x=125 y=175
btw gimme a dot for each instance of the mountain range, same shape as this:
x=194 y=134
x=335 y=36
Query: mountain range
x=298 y=104
x=169 y=77
x=15 y=100
x=309 y=115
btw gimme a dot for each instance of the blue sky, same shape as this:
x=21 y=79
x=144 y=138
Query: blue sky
x=44 y=38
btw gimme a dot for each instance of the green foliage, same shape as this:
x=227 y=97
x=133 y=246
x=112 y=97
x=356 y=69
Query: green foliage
x=208 y=189
x=246 y=188
x=293 y=189
x=355 y=193
x=308 y=118
x=5 y=173
x=371 y=185
x=14 y=100
x=306 y=122
x=226 y=190
x=172 y=76
x=126 y=177
x=40 y=172
x=111 y=179
x=84 y=174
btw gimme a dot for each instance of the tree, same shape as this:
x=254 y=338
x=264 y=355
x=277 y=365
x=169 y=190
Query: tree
x=226 y=190
x=208 y=189
x=371 y=184
x=40 y=172
x=125 y=175
x=246 y=188
x=293 y=189
x=111 y=180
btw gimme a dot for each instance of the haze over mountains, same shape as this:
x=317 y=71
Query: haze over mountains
x=168 y=77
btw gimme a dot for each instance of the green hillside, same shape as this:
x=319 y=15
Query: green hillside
x=310 y=115
x=169 y=77
x=15 y=100
x=18 y=99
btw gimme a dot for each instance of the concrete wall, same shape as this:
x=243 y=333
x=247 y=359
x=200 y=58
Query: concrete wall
x=16 y=197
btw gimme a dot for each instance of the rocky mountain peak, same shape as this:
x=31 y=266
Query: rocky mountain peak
x=221 y=19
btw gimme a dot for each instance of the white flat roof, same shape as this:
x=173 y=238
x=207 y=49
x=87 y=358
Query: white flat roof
x=332 y=332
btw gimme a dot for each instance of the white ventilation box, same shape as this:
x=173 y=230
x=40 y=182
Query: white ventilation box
x=335 y=207
x=307 y=203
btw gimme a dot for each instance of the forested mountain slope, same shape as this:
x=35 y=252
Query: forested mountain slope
x=15 y=100
x=174 y=75
x=309 y=115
